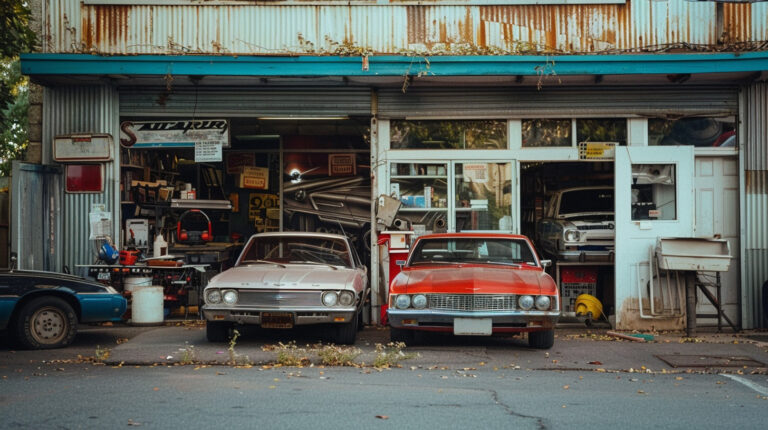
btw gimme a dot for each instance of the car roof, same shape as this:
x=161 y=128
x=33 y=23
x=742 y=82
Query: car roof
x=300 y=234
x=473 y=235
x=597 y=187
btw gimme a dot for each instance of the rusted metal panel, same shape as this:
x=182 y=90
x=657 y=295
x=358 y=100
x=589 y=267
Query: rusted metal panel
x=354 y=28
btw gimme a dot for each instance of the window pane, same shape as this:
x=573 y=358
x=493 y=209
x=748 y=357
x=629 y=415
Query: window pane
x=653 y=192
x=602 y=130
x=434 y=134
x=546 y=132
x=703 y=132
x=84 y=178
x=419 y=185
x=483 y=196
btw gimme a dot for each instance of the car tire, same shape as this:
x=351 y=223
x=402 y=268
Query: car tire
x=398 y=335
x=346 y=333
x=541 y=339
x=217 y=331
x=45 y=323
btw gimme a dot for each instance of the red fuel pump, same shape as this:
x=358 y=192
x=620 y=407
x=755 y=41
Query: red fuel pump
x=397 y=244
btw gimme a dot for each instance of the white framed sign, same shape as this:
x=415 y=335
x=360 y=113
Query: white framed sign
x=174 y=134
x=82 y=147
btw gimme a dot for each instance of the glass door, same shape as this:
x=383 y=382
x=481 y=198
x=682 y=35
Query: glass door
x=483 y=196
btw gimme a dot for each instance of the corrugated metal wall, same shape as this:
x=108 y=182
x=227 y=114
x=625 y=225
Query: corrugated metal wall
x=83 y=109
x=606 y=101
x=755 y=205
x=638 y=25
x=36 y=216
x=243 y=102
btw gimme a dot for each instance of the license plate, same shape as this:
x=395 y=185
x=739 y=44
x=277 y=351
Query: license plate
x=277 y=320
x=103 y=276
x=472 y=326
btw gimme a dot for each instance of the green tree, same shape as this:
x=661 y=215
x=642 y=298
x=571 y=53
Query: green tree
x=16 y=37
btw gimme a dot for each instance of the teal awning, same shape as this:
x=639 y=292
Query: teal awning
x=384 y=65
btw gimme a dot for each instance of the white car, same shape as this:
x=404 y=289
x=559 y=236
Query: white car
x=578 y=225
x=283 y=280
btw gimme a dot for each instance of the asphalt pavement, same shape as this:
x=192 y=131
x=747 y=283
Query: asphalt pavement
x=576 y=348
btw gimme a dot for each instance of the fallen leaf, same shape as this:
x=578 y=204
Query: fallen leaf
x=272 y=387
x=565 y=387
x=382 y=417
x=596 y=363
x=678 y=378
x=156 y=389
x=133 y=423
x=641 y=392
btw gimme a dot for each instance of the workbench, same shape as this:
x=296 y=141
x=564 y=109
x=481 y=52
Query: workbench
x=182 y=285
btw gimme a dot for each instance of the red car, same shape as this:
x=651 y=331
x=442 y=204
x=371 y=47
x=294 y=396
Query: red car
x=474 y=284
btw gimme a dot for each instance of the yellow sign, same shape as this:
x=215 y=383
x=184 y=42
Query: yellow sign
x=597 y=150
x=258 y=204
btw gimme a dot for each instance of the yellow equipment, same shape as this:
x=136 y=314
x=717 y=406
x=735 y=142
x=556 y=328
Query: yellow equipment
x=588 y=305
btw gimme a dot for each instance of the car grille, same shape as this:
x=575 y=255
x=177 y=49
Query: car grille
x=273 y=298
x=594 y=227
x=472 y=302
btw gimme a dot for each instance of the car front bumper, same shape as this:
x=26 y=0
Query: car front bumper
x=509 y=321
x=300 y=316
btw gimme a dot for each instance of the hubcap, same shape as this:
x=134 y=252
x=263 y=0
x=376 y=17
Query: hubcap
x=49 y=325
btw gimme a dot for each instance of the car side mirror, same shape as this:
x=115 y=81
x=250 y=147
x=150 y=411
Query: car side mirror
x=546 y=263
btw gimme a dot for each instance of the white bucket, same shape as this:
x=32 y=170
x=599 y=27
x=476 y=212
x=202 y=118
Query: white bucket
x=134 y=282
x=147 y=306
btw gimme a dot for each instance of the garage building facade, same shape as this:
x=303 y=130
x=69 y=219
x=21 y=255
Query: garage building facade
x=528 y=88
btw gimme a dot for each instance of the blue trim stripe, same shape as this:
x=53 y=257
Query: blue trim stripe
x=394 y=65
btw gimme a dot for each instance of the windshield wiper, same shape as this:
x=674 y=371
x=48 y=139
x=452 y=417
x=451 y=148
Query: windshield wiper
x=264 y=262
x=316 y=263
x=502 y=263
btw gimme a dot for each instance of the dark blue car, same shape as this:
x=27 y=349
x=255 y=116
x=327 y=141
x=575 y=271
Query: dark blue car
x=41 y=310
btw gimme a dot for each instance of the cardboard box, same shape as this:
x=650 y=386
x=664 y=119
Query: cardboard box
x=256 y=178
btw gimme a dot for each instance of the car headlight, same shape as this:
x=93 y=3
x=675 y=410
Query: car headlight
x=525 y=302
x=346 y=298
x=403 y=301
x=419 y=301
x=213 y=296
x=542 y=303
x=230 y=297
x=571 y=235
x=330 y=298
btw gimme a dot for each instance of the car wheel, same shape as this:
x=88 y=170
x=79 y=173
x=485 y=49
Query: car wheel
x=346 y=333
x=401 y=335
x=541 y=339
x=217 y=331
x=46 y=322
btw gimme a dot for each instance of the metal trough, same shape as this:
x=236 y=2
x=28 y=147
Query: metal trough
x=693 y=254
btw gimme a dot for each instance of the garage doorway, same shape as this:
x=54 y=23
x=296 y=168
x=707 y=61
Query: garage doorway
x=574 y=198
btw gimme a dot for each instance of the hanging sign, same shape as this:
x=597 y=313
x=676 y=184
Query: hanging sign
x=174 y=134
x=207 y=151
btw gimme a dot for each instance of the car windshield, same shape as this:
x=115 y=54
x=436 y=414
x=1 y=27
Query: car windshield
x=296 y=249
x=472 y=250
x=580 y=201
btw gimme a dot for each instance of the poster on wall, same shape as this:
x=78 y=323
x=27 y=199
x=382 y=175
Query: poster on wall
x=174 y=134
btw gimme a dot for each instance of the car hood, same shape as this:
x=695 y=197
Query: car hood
x=470 y=279
x=289 y=277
